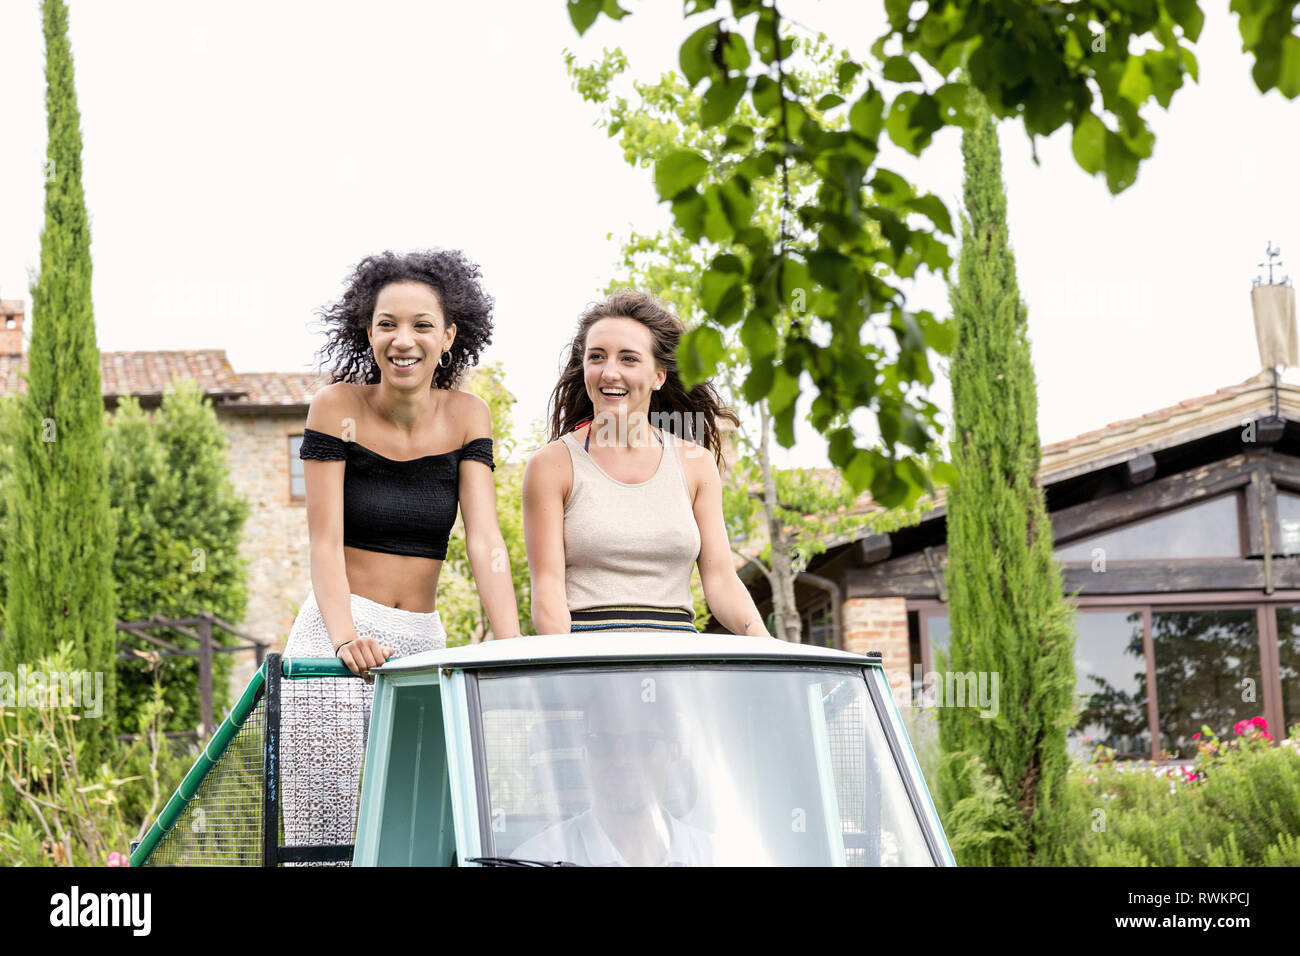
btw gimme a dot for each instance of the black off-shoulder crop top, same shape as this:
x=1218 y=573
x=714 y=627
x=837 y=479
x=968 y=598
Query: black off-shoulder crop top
x=397 y=507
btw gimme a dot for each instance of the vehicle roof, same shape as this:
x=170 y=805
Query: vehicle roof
x=610 y=646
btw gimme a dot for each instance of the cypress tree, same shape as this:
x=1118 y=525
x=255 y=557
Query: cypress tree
x=58 y=562
x=1001 y=777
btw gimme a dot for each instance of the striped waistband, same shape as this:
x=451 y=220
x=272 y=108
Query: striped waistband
x=619 y=618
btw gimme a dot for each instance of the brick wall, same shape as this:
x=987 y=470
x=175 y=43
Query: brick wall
x=880 y=624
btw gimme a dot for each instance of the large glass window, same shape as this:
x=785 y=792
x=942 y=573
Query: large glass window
x=1288 y=660
x=1207 y=672
x=1111 y=683
x=1209 y=529
x=694 y=766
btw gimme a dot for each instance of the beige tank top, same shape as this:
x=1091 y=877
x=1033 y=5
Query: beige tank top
x=628 y=544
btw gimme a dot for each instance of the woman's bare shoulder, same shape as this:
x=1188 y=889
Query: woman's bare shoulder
x=331 y=405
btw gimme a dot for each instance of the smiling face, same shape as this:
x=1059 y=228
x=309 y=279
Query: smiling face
x=618 y=366
x=408 y=323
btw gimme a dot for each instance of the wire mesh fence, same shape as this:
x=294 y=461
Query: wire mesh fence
x=289 y=752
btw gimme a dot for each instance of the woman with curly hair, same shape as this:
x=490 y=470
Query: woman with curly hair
x=627 y=497
x=391 y=450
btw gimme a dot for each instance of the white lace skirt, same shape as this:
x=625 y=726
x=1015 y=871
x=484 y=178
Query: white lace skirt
x=324 y=721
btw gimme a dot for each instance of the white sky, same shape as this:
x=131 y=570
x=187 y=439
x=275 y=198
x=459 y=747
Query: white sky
x=240 y=158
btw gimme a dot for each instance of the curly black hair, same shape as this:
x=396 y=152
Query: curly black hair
x=464 y=304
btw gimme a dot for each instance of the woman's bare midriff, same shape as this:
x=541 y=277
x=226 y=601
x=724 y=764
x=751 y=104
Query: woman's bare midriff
x=399 y=581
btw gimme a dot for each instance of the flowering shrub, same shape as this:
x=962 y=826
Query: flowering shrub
x=57 y=811
x=1238 y=804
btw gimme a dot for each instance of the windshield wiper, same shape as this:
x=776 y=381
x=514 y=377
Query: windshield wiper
x=515 y=861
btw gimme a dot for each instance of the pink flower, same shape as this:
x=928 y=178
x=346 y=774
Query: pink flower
x=118 y=859
x=1239 y=727
x=1194 y=736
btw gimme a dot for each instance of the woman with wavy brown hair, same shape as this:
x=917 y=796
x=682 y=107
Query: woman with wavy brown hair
x=627 y=497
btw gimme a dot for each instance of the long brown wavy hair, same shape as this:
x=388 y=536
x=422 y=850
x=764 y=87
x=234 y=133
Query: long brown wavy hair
x=693 y=414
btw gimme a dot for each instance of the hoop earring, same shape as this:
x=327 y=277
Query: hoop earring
x=445 y=361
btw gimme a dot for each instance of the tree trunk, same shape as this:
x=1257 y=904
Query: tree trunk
x=785 y=611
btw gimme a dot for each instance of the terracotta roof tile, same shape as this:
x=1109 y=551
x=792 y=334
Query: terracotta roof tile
x=147 y=374
x=278 y=388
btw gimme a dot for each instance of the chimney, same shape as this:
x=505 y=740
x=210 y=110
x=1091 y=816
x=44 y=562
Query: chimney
x=11 y=327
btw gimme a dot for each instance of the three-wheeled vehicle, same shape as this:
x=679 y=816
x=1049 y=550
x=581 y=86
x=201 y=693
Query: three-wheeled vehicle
x=609 y=749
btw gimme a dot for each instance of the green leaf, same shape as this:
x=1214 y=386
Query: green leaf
x=886 y=489
x=1288 y=78
x=899 y=69
x=954 y=103
x=796 y=285
x=717 y=224
x=1089 y=143
x=889 y=185
x=758 y=335
x=846 y=73
x=861 y=469
x=583 y=14
x=932 y=207
x=1135 y=85
x=737 y=203
x=612 y=10
x=696 y=54
x=735 y=52
x=723 y=295
x=866 y=116
x=678 y=171
x=740 y=137
x=758 y=383
x=946 y=474
x=764 y=43
x=913 y=119
x=699 y=353
x=829 y=101
x=720 y=99
x=1188 y=15
x=783 y=427
x=785 y=390
x=1121 y=164
x=766 y=96
x=688 y=214
x=840 y=445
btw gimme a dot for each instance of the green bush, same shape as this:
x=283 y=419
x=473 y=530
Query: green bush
x=1238 y=806
x=62 y=810
x=180 y=522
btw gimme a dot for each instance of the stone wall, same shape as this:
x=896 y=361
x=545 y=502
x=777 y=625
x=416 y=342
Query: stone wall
x=275 y=535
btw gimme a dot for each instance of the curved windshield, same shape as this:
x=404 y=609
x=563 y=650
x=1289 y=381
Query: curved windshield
x=693 y=766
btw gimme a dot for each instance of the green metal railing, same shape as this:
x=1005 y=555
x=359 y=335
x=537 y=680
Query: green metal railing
x=226 y=810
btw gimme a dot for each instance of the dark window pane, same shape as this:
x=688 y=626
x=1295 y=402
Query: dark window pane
x=297 y=483
x=1111 y=684
x=820 y=632
x=1207 y=672
x=1288 y=658
x=914 y=650
x=1288 y=518
x=1205 y=530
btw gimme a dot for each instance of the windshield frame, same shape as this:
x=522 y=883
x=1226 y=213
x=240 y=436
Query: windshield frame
x=922 y=806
